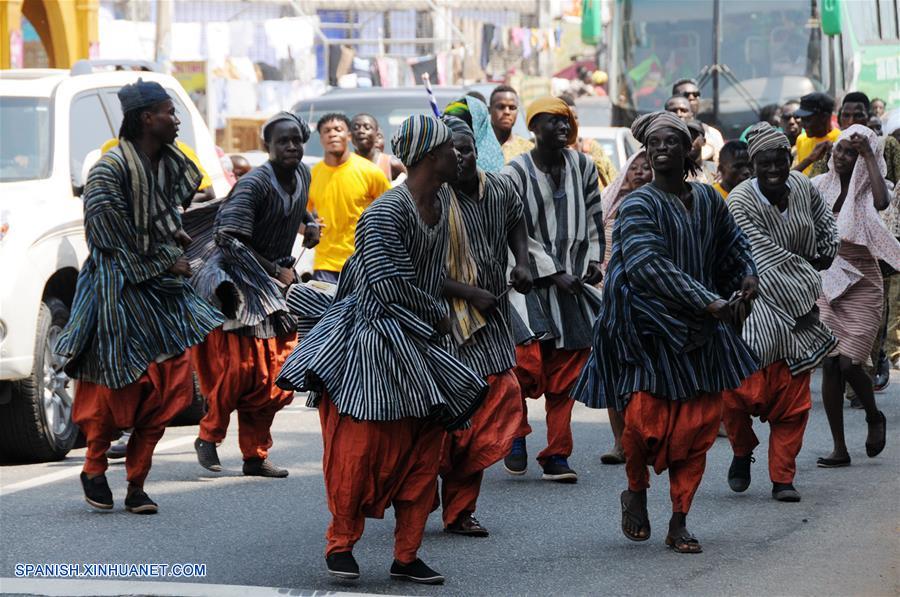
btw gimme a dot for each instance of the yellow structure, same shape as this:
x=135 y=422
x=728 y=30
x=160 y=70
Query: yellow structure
x=67 y=28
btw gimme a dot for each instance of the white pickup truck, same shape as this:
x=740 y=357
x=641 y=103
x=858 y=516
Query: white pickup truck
x=52 y=124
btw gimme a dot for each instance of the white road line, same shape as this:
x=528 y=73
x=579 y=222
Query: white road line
x=97 y=588
x=75 y=469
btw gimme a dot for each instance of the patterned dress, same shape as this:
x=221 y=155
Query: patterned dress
x=783 y=243
x=376 y=351
x=654 y=335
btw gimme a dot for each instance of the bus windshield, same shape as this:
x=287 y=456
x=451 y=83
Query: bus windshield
x=772 y=48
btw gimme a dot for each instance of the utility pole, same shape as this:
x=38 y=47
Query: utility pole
x=164 y=9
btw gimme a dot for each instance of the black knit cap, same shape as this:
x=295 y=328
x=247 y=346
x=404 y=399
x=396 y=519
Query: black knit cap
x=141 y=94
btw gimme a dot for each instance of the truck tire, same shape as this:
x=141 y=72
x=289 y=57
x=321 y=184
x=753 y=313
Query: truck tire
x=193 y=413
x=36 y=425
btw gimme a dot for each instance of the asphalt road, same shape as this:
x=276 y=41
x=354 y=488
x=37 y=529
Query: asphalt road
x=842 y=539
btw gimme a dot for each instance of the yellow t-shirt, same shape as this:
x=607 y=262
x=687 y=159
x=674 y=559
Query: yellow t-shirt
x=189 y=153
x=805 y=145
x=718 y=186
x=339 y=194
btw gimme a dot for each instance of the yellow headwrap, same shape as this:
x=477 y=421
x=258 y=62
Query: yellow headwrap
x=556 y=106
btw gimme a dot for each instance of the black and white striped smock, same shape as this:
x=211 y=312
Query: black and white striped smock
x=377 y=352
x=257 y=216
x=565 y=229
x=782 y=244
x=654 y=334
x=488 y=220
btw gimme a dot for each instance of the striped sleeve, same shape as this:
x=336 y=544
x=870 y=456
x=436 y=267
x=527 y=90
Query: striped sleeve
x=107 y=229
x=543 y=262
x=237 y=215
x=593 y=212
x=827 y=238
x=734 y=256
x=647 y=262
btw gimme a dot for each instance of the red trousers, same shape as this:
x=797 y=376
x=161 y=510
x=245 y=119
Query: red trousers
x=238 y=373
x=773 y=395
x=147 y=406
x=371 y=465
x=544 y=370
x=467 y=453
x=670 y=435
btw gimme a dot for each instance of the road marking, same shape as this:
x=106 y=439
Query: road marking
x=97 y=588
x=75 y=470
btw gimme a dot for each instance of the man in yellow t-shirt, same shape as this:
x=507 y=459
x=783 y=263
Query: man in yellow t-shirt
x=343 y=185
x=818 y=135
x=734 y=167
x=204 y=192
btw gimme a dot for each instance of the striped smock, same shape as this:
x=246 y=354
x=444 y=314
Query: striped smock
x=377 y=351
x=654 y=335
x=782 y=244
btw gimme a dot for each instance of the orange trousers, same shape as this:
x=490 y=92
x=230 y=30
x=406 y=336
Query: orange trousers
x=670 y=435
x=371 y=465
x=773 y=395
x=544 y=370
x=147 y=406
x=467 y=453
x=238 y=373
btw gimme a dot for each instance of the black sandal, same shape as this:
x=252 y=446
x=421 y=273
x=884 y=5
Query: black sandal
x=641 y=520
x=833 y=462
x=684 y=542
x=873 y=450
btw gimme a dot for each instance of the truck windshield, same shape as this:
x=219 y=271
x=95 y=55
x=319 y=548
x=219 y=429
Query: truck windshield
x=25 y=130
x=662 y=41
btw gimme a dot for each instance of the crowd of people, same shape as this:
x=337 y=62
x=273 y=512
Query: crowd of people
x=471 y=270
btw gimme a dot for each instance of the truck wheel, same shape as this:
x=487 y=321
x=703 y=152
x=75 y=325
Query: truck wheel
x=36 y=425
x=193 y=413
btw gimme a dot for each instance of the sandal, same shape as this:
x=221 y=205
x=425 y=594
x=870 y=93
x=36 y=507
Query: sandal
x=641 y=520
x=613 y=457
x=833 y=462
x=873 y=450
x=684 y=543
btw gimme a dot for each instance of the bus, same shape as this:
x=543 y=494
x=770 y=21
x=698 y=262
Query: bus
x=747 y=54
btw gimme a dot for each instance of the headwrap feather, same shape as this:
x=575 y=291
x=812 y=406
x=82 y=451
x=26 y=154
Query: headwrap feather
x=762 y=136
x=418 y=135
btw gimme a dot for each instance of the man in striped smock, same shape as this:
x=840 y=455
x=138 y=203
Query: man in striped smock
x=793 y=236
x=561 y=198
x=245 y=275
x=376 y=367
x=664 y=346
x=486 y=221
x=134 y=315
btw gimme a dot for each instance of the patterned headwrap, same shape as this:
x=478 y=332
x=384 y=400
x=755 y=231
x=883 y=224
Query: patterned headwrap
x=553 y=105
x=458 y=127
x=418 y=135
x=762 y=136
x=289 y=116
x=654 y=121
x=474 y=113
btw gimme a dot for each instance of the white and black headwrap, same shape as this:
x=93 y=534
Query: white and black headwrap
x=762 y=136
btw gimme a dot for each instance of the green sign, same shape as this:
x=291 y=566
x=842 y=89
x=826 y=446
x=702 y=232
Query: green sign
x=591 y=22
x=831 y=17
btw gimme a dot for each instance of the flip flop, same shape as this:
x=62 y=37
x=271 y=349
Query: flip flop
x=873 y=450
x=642 y=520
x=684 y=542
x=833 y=462
x=612 y=457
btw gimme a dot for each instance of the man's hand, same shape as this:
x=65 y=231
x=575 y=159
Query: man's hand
x=567 y=282
x=182 y=238
x=311 y=236
x=181 y=267
x=749 y=288
x=520 y=279
x=594 y=274
x=285 y=275
x=819 y=151
x=719 y=309
x=482 y=300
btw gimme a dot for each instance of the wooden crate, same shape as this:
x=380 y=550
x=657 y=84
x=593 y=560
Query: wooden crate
x=242 y=133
